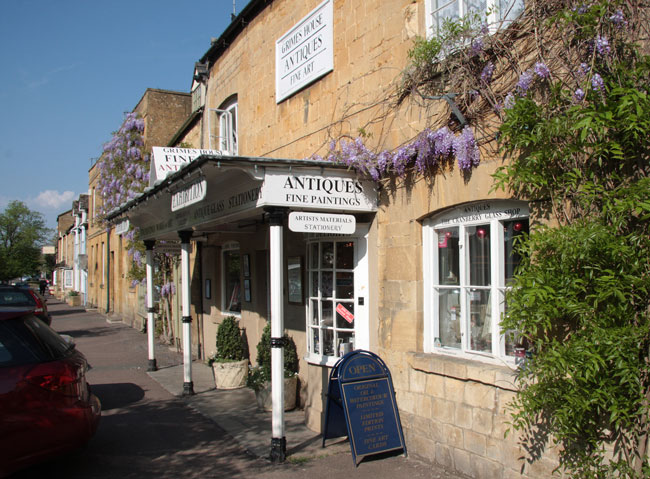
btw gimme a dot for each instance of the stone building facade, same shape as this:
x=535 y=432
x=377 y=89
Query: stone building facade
x=454 y=372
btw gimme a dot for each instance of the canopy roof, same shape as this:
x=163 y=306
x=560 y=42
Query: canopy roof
x=225 y=193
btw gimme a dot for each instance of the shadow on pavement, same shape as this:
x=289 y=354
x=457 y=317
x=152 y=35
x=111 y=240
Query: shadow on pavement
x=118 y=395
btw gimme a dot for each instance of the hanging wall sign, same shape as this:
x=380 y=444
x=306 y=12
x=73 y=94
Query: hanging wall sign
x=361 y=403
x=166 y=160
x=305 y=53
x=301 y=222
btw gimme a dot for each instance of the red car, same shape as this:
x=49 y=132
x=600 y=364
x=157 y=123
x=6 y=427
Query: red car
x=46 y=407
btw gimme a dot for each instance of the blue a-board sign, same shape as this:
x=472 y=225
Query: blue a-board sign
x=361 y=404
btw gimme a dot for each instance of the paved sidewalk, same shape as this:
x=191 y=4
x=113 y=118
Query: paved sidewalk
x=236 y=412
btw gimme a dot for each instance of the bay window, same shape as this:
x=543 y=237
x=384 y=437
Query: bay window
x=469 y=262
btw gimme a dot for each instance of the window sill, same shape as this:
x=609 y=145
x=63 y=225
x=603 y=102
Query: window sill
x=317 y=360
x=499 y=375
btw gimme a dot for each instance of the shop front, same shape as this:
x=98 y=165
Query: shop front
x=285 y=241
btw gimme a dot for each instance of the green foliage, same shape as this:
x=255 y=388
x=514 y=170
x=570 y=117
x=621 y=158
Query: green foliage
x=261 y=374
x=581 y=297
x=230 y=343
x=22 y=234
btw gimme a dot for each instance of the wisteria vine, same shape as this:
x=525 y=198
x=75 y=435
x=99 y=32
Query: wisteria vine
x=123 y=166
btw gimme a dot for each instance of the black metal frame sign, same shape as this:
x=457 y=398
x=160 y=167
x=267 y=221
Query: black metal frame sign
x=361 y=404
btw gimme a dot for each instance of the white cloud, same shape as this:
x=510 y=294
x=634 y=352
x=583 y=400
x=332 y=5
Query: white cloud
x=52 y=199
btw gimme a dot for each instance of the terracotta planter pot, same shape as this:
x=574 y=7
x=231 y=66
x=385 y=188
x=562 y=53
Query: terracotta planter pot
x=265 y=402
x=230 y=375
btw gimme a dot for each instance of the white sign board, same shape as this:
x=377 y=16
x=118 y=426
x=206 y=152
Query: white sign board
x=189 y=195
x=301 y=222
x=165 y=160
x=319 y=192
x=122 y=227
x=305 y=53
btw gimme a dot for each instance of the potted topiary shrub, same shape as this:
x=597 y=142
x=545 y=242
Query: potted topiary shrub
x=259 y=377
x=230 y=361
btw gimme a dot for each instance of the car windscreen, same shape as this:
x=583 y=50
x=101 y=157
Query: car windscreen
x=16 y=297
x=28 y=340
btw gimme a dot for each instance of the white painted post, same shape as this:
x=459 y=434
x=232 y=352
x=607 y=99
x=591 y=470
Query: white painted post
x=278 y=440
x=188 y=385
x=149 y=244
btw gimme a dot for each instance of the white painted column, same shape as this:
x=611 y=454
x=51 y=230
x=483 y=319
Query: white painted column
x=188 y=385
x=278 y=440
x=151 y=326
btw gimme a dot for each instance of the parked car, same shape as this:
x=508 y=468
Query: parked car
x=21 y=298
x=46 y=407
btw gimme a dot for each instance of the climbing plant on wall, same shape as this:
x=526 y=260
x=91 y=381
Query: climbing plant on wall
x=563 y=94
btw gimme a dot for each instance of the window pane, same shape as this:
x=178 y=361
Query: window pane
x=327 y=313
x=449 y=314
x=327 y=258
x=480 y=326
x=327 y=286
x=315 y=340
x=510 y=9
x=511 y=230
x=314 y=283
x=479 y=255
x=328 y=342
x=345 y=285
x=232 y=278
x=345 y=315
x=345 y=341
x=345 y=255
x=448 y=256
x=313 y=306
x=313 y=262
x=475 y=6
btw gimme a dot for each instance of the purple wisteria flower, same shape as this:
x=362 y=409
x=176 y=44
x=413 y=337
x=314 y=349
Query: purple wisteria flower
x=578 y=95
x=597 y=83
x=477 y=46
x=541 y=70
x=602 y=45
x=618 y=19
x=525 y=82
x=583 y=70
x=466 y=149
x=509 y=101
x=486 y=74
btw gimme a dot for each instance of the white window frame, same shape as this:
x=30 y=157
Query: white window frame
x=495 y=19
x=223 y=134
x=494 y=213
x=361 y=320
x=227 y=248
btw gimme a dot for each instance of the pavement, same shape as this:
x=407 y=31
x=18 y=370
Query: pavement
x=236 y=411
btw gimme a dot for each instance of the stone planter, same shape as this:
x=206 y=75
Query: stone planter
x=230 y=375
x=74 y=300
x=265 y=402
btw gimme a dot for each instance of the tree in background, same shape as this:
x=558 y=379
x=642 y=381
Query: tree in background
x=22 y=235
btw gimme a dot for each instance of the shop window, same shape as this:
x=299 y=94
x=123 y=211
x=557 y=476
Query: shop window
x=469 y=262
x=231 y=275
x=499 y=12
x=331 y=310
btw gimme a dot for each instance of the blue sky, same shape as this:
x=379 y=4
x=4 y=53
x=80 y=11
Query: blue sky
x=70 y=69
